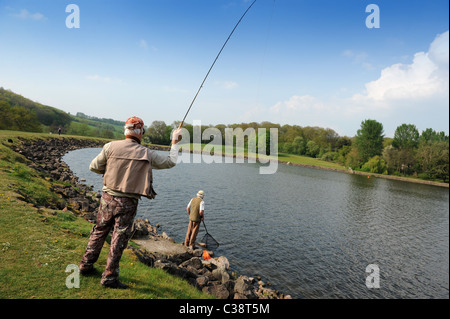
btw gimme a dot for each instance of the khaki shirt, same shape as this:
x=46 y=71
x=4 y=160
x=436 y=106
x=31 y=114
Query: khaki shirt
x=140 y=177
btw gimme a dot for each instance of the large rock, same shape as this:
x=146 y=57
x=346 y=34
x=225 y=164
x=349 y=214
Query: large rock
x=194 y=262
x=173 y=269
x=142 y=228
x=217 y=262
x=221 y=275
x=244 y=288
x=164 y=249
x=201 y=281
x=217 y=290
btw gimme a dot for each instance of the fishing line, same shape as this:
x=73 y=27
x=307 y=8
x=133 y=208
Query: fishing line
x=201 y=85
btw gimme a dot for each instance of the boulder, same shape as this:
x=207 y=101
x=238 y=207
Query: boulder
x=217 y=290
x=244 y=288
x=140 y=229
x=173 y=269
x=221 y=275
x=201 y=281
x=194 y=262
x=222 y=262
x=217 y=262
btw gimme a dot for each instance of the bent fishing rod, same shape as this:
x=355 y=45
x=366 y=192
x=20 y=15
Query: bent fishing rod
x=207 y=74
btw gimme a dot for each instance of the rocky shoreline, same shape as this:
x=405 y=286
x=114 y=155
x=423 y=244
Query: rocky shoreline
x=212 y=276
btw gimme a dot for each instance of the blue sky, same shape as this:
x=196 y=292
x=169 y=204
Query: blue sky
x=308 y=63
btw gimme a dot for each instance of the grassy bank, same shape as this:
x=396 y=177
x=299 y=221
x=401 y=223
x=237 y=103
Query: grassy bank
x=299 y=160
x=283 y=157
x=37 y=244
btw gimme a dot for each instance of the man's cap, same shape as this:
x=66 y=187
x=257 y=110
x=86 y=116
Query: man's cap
x=134 y=122
x=134 y=126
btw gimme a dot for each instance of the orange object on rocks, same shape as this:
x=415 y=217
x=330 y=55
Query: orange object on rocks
x=206 y=255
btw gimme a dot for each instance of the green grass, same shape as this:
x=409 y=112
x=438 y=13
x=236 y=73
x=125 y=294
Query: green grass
x=295 y=159
x=305 y=160
x=36 y=245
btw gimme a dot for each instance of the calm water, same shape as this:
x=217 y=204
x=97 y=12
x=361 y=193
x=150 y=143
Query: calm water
x=311 y=233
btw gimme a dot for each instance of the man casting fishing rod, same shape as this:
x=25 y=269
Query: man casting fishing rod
x=126 y=166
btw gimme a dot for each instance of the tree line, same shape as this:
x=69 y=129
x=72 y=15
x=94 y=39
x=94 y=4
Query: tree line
x=409 y=153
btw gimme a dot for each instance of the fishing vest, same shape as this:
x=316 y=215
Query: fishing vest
x=128 y=168
x=194 y=214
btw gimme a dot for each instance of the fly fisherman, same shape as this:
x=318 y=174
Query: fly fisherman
x=126 y=166
x=195 y=210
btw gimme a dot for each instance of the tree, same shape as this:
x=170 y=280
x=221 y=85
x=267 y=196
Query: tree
x=353 y=159
x=430 y=135
x=375 y=165
x=288 y=133
x=4 y=112
x=406 y=137
x=342 y=154
x=433 y=159
x=343 y=141
x=299 y=146
x=312 y=148
x=157 y=132
x=369 y=139
x=24 y=119
x=400 y=160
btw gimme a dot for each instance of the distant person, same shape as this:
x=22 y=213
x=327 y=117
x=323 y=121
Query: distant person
x=127 y=168
x=59 y=131
x=196 y=212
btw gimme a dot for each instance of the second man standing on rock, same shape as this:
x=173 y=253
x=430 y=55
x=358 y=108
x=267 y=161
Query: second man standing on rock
x=195 y=210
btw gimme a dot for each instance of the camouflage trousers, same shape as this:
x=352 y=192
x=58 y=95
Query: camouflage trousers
x=115 y=213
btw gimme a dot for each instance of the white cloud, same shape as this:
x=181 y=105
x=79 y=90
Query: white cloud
x=26 y=15
x=250 y=114
x=417 y=93
x=228 y=85
x=298 y=103
x=426 y=77
x=104 y=79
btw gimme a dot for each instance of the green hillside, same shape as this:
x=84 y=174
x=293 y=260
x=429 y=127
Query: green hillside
x=22 y=114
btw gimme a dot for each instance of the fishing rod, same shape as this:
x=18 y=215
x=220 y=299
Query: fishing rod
x=201 y=85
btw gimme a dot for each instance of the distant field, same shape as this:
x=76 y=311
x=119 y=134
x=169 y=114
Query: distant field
x=295 y=159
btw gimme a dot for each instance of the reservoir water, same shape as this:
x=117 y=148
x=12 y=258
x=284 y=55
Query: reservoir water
x=311 y=233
